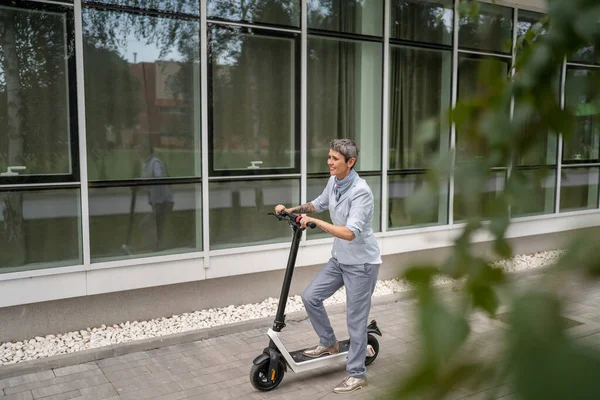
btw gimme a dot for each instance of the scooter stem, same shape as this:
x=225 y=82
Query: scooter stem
x=279 y=323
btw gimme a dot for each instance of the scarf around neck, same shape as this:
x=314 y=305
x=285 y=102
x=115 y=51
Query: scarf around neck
x=341 y=186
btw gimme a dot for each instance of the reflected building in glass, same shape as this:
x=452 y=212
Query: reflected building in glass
x=143 y=143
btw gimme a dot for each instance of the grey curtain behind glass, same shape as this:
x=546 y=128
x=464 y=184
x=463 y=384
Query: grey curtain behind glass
x=333 y=90
x=415 y=89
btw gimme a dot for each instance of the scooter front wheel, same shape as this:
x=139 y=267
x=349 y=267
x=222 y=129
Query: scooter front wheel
x=260 y=379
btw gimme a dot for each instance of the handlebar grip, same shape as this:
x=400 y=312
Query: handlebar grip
x=312 y=225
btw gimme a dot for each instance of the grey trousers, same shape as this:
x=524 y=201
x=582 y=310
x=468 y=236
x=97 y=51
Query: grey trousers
x=360 y=283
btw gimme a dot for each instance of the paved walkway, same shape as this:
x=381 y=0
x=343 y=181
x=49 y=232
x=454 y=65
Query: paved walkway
x=218 y=368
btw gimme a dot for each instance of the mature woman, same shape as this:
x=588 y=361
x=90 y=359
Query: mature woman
x=354 y=263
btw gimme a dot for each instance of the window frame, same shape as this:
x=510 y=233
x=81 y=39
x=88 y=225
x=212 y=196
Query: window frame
x=71 y=92
x=296 y=107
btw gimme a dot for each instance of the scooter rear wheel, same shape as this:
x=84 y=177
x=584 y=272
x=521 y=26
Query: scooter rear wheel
x=372 y=340
x=259 y=376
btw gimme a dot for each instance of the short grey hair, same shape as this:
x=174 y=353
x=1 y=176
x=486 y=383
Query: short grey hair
x=345 y=147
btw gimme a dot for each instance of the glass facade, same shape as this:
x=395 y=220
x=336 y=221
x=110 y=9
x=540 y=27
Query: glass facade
x=253 y=98
x=195 y=127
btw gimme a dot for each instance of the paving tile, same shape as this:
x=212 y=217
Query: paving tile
x=69 y=386
x=63 y=396
x=52 y=381
x=73 y=369
x=23 y=379
x=18 y=396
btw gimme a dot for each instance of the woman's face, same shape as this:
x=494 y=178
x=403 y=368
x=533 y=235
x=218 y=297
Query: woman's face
x=338 y=166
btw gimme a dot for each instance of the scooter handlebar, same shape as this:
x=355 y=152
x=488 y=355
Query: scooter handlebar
x=293 y=217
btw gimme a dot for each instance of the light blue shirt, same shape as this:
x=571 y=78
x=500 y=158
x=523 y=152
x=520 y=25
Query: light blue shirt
x=354 y=210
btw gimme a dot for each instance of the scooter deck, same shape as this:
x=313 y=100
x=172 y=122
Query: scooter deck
x=298 y=355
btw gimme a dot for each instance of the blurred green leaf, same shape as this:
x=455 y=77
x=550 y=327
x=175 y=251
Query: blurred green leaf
x=485 y=298
x=421 y=276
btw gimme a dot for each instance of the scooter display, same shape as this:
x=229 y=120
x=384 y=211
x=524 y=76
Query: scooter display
x=269 y=368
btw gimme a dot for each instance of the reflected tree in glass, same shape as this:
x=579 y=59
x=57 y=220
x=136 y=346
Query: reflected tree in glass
x=278 y=12
x=142 y=90
x=490 y=28
x=422 y=21
x=253 y=99
x=34 y=106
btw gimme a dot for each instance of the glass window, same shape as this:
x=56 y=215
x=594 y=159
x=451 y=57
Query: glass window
x=586 y=55
x=583 y=143
x=526 y=21
x=39 y=229
x=536 y=194
x=315 y=187
x=347 y=16
x=422 y=20
x=489 y=30
x=36 y=53
x=579 y=188
x=254 y=89
x=400 y=189
x=344 y=99
x=142 y=94
x=239 y=211
x=420 y=88
x=476 y=75
x=486 y=204
x=150 y=220
x=179 y=6
x=276 y=12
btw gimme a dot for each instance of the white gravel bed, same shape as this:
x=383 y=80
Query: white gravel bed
x=50 y=345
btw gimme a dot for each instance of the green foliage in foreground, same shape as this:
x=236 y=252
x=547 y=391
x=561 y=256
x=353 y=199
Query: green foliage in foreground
x=538 y=358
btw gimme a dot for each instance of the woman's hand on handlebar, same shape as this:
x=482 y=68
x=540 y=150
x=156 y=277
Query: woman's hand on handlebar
x=306 y=220
x=279 y=208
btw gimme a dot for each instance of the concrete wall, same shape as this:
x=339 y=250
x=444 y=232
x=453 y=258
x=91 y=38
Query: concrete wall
x=25 y=321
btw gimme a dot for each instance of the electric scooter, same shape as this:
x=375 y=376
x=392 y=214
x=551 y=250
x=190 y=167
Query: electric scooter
x=269 y=368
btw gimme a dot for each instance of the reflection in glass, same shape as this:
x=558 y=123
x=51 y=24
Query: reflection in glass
x=486 y=202
x=34 y=101
x=348 y=16
x=544 y=150
x=315 y=187
x=422 y=20
x=170 y=6
x=420 y=88
x=39 y=229
x=138 y=221
x=253 y=100
x=344 y=99
x=536 y=194
x=400 y=189
x=527 y=19
x=586 y=54
x=278 y=12
x=476 y=75
x=142 y=92
x=583 y=143
x=579 y=189
x=490 y=30
x=239 y=212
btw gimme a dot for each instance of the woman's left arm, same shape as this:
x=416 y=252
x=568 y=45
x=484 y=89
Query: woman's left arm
x=338 y=231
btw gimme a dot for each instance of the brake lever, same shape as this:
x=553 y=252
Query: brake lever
x=278 y=216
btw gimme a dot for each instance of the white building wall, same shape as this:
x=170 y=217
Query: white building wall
x=91 y=279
